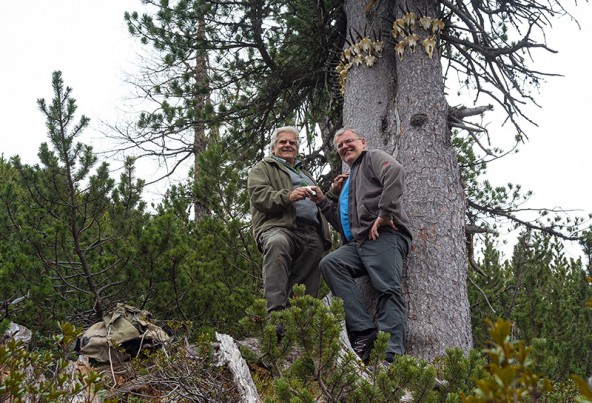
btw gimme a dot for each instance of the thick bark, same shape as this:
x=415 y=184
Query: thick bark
x=400 y=107
x=369 y=98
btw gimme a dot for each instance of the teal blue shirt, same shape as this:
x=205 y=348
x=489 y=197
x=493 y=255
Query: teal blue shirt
x=343 y=210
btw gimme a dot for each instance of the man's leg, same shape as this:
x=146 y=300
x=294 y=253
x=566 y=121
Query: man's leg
x=340 y=269
x=305 y=265
x=278 y=247
x=383 y=259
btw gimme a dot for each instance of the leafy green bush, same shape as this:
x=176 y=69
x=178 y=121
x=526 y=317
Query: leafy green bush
x=48 y=375
x=510 y=376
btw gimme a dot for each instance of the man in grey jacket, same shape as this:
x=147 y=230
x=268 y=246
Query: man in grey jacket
x=288 y=227
x=375 y=239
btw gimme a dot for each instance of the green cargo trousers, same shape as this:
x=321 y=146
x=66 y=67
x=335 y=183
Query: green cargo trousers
x=289 y=258
x=382 y=261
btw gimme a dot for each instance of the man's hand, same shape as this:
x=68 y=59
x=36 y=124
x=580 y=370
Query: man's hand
x=318 y=195
x=303 y=192
x=338 y=182
x=380 y=221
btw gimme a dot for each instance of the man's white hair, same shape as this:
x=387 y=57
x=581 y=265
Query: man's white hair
x=289 y=129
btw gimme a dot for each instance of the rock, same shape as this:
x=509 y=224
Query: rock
x=18 y=332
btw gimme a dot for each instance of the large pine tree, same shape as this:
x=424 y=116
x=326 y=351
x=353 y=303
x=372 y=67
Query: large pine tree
x=399 y=105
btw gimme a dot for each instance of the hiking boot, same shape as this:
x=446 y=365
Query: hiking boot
x=280 y=332
x=363 y=343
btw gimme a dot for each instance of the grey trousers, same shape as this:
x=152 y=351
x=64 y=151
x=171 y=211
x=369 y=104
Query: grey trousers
x=289 y=258
x=382 y=261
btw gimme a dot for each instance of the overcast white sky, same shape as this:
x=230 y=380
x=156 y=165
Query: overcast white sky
x=88 y=41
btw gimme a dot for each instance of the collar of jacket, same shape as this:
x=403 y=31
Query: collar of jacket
x=297 y=164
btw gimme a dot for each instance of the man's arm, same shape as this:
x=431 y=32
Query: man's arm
x=328 y=208
x=261 y=193
x=391 y=176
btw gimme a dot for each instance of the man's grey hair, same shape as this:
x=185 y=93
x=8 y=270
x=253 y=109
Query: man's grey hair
x=339 y=132
x=289 y=129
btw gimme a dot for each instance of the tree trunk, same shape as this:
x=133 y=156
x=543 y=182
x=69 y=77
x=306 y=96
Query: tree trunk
x=202 y=98
x=400 y=107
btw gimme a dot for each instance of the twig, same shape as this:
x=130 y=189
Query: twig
x=482 y=293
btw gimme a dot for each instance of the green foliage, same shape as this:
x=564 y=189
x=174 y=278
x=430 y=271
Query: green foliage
x=67 y=224
x=74 y=242
x=309 y=362
x=511 y=376
x=263 y=327
x=585 y=388
x=320 y=369
x=4 y=325
x=229 y=73
x=313 y=330
x=544 y=295
x=47 y=375
x=189 y=272
x=457 y=372
x=316 y=328
x=406 y=376
x=206 y=271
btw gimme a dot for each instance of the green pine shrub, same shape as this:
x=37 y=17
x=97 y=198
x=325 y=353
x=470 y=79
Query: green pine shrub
x=47 y=375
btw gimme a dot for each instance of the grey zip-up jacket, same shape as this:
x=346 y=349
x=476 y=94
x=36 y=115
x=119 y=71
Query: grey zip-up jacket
x=376 y=182
x=269 y=186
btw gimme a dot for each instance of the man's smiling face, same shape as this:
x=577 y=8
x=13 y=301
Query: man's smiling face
x=350 y=146
x=286 y=146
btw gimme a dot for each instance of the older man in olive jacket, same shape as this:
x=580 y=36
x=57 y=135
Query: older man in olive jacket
x=291 y=233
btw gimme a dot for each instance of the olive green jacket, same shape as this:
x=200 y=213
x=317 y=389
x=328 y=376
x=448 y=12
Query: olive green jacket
x=269 y=186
